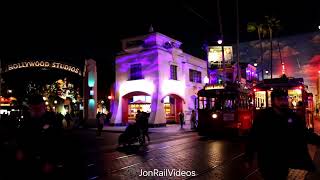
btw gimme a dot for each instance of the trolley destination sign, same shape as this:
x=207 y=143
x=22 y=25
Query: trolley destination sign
x=215 y=86
x=44 y=64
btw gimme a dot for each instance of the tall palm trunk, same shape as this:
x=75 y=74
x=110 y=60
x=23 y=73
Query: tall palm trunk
x=261 y=51
x=280 y=56
x=270 y=31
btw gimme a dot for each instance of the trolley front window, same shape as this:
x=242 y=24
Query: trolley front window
x=217 y=103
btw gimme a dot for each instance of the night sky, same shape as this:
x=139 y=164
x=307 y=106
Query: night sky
x=78 y=31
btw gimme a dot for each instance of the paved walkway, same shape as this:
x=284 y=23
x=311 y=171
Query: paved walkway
x=171 y=128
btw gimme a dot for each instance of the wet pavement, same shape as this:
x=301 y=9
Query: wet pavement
x=90 y=157
x=208 y=158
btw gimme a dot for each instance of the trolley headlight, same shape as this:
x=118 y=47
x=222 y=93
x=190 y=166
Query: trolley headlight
x=214 y=116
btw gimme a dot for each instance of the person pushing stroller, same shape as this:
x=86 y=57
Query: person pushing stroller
x=132 y=133
x=142 y=122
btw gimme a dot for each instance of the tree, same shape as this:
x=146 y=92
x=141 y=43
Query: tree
x=273 y=24
x=262 y=32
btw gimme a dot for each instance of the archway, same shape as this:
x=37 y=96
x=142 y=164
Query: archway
x=132 y=102
x=173 y=105
x=42 y=71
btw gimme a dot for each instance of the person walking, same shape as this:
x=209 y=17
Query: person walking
x=39 y=138
x=279 y=137
x=100 y=123
x=193 y=119
x=144 y=126
x=181 y=118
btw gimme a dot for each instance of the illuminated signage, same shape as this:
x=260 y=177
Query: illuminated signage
x=216 y=86
x=215 y=54
x=44 y=64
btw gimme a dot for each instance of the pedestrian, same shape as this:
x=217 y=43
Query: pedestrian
x=100 y=123
x=38 y=139
x=181 y=118
x=109 y=115
x=68 y=120
x=279 y=137
x=193 y=119
x=144 y=126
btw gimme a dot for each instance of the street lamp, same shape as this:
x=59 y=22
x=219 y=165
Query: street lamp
x=206 y=80
x=267 y=72
x=9 y=91
x=219 y=41
x=255 y=64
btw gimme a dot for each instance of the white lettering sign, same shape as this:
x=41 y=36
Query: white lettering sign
x=48 y=64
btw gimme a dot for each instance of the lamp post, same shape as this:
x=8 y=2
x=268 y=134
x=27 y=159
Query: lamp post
x=206 y=80
x=267 y=72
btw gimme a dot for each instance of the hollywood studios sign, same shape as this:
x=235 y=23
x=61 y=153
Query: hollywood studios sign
x=44 y=64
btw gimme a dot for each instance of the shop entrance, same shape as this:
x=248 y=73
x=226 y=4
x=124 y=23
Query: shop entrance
x=173 y=105
x=133 y=102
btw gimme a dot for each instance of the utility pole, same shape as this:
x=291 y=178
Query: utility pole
x=221 y=36
x=238 y=37
x=0 y=78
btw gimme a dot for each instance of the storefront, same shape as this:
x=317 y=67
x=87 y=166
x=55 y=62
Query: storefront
x=142 y=103
x=162 y=80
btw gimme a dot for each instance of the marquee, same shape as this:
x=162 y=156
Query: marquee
x=44 y=64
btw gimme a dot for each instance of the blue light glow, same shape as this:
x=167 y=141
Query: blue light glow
x=91 y=103
x=91 y=79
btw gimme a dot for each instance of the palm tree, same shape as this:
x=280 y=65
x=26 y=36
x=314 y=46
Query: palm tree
x=272 y=24
x=261 y=31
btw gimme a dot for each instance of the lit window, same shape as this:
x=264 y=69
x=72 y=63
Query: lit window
x=173 y=72
x=194 y=76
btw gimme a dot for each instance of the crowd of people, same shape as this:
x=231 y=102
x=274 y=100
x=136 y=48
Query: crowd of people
x=34 y=141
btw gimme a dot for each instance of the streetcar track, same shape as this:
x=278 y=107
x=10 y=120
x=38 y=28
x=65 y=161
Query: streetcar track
x=153 y=149
x=145 y=152
x=172 y=138
x=126 y=167
x=226 y=162
x=130 y=155
x=253 y=172
x=161 y=156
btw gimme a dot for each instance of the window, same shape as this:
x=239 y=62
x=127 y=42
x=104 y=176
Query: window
x=194 y=76
x=173 y=72
x=135 y=72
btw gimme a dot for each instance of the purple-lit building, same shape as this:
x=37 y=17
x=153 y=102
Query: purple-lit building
x=154 y=75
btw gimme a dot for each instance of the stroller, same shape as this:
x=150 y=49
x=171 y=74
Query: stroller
x=131 y=135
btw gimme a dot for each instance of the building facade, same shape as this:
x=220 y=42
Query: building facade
x=154 y=75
